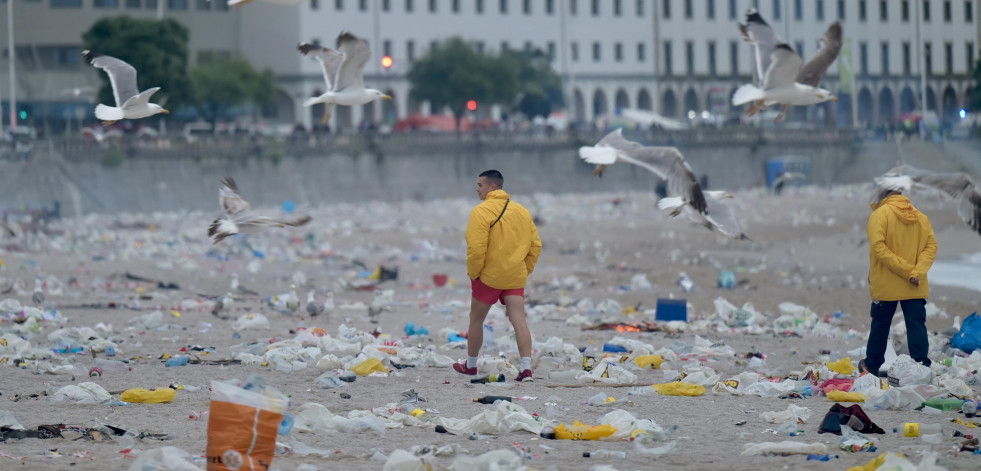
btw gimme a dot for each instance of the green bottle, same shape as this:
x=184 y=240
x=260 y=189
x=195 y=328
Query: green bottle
x=944 y=403
x=491 y=378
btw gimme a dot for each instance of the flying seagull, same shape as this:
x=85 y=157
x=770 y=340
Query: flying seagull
x=239 y=218
x=239 y=3
x=343 y=70
x=719 y=217
x=957 y=186
x=784 y=78
x=130 y=102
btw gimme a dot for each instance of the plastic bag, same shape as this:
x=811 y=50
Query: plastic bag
x=842 y=366
x=251 y=321
x=842 y=396
x=369 y=366
x=968 y=338
x=242 y=427
x=401 y=460
x=146 y=396
x=784 y=448
x=581 y=431
x=168 y=458
x=653 y=361
x=494 y=460
x=906 y=371
x=679 y=389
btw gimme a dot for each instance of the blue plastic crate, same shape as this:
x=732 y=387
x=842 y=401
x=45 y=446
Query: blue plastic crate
x=672 y=310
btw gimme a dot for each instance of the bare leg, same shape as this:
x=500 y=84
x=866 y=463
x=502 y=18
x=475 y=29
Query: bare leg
x=515 y=308
x=475 y=334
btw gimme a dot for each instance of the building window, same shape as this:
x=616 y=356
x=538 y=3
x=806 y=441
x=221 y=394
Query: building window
x=799 y=47
x=150 y=4
x=711 y=58
x=526 y=7
x=363 y=5
x=66 y=3
x=733 y=58
x=387 y=47
x=479 y=6
x=667 y=57
x=617 y=8
x=841 y=10
x=690 y=57
x=596 y=52
x=904 y=10
x=504 y=7
x=409 y=6
x=968 y=11
x=133 y=4
x=455 y=6
x=550 y=7
x=105 y=3
x=928 y=58
x=386 y=5
x=204 y=5
x=970 y=57
x=863 y=58
x=618 y=52
x=885 y=58
x=574 y=7
x=926 y=10
x=177 y=4
x=861 y=10
x=710 y=4
x=667 y=9
x=595 y=8
x=948 y=58
x=410 y=50
x=776 y=9
x=819 y=10
x=432 y=6
x=883 y=11
x=640 y=8
x=339 y=5
x=733 y=11
x=907 y=65
x=551 y=50
x=688 y=10
x=798 y=10
x=574 y=52
x=947 y=12
x=641 y=52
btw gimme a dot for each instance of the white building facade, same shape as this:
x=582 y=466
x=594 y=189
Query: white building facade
x=670 y=56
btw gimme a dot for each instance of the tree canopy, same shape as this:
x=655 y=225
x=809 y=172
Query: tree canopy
x=222 y=83
x=156 y=48
x=455 y=72
x=540 y=87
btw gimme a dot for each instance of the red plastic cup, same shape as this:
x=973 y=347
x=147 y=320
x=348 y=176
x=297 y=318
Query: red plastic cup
x=440 y=279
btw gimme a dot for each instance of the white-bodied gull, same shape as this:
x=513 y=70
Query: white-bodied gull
x=956 y=186
x=131 y=103
x=343 y=71
x=239 y=218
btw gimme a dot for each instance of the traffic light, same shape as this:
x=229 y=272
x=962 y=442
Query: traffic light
x=387 y=62
x=472 y=105
x=22 y=114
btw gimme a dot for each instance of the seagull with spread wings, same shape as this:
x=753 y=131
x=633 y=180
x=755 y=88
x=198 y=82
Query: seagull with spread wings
x=669 y=164
x=783 y=76
x=343 y=70
x=239 y=218
x=957 y=186
x=131 y=103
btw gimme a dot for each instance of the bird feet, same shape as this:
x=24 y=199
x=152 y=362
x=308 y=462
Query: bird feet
x=325 y=119
x=754 y=108
x=108 y=123
x=779 y=118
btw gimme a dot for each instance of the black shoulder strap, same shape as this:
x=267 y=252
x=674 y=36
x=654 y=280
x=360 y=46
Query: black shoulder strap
x=502 y=213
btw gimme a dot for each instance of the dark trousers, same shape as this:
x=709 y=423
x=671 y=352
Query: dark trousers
x=914 y=312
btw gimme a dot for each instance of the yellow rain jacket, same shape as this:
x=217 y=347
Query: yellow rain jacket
x=502 y=256
x=901 y=246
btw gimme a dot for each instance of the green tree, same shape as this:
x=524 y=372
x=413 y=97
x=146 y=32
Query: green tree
x=222 y=83
x=540 y=89
x=455 y=72
x=156 y=48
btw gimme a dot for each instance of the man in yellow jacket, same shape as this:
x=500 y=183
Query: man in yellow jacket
x=502 y=250
x=901 y=251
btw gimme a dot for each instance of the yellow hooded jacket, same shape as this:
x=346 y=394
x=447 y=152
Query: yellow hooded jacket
x=901 y=246
x=502 y=256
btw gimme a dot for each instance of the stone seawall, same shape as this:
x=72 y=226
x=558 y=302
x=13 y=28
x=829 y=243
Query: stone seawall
x=92 y=179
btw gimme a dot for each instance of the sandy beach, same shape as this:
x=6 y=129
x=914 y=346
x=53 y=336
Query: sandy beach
x=808 y=248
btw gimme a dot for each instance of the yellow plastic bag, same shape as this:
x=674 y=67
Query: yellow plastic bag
x=581 y=431
x=842 y=396
x=146 y=396
x=842 y=367
x=368 y=367
x=679 y=389
x=653 y=361
x=873 y=464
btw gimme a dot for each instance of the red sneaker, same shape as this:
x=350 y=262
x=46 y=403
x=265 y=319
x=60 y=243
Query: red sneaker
x=462 y=368
x=524 y=376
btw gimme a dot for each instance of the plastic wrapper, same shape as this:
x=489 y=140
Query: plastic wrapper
x=242 y=427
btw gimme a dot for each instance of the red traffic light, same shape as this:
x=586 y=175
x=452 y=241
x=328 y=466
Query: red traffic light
x=387 y=61
x=472 y=105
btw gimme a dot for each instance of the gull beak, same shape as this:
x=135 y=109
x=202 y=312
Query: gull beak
x=834 y=98
x=165 y=111
x=386 y=97
x=729 y=196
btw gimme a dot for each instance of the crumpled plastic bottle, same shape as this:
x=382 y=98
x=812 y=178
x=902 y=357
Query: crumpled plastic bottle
x=686 y=283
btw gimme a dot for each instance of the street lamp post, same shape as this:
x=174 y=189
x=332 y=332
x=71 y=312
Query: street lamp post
x=11 y=58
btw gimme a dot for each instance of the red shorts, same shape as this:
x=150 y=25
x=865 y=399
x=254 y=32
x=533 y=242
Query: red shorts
x=486 y=294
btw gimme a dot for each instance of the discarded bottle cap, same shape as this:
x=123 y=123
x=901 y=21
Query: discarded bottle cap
x=95 y=371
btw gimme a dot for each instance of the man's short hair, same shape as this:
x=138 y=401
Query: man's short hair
x=493 y=177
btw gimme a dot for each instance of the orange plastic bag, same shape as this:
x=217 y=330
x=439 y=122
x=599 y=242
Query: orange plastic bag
x=242 y=427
